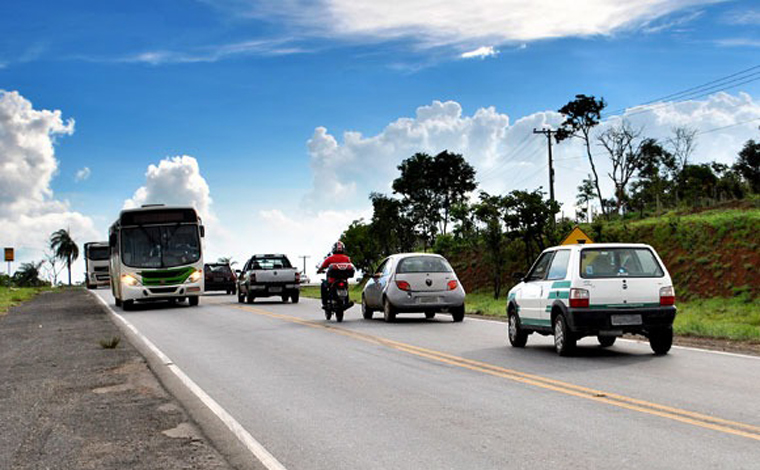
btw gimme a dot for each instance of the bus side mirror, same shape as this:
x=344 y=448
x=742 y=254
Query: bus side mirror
x=203 y=231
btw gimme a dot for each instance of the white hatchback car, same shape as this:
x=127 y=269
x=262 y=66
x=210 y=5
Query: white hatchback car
x=602 y=290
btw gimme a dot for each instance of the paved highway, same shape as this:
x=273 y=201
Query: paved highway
x=423 y=394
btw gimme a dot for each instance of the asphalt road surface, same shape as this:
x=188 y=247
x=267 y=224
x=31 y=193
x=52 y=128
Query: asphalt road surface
x=421 y=394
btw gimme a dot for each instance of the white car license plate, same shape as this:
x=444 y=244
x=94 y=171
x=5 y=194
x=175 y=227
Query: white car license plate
x=342 y=292
x=427 y=300
x=624 y=320
x=275 y=289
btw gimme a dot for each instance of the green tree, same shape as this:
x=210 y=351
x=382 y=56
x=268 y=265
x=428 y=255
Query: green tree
x=430 y=187
x=226 y=260
x=391 y=227
x=528 y=216
x=583 y=199
x=64 y=248
x=453 y=179
x=490 y=212
x=581 y=116
x=748 y=165
x=28 y=275
x=362 y=246
x=653 y=180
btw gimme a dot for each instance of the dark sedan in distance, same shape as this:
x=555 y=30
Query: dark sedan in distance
x=219 y=277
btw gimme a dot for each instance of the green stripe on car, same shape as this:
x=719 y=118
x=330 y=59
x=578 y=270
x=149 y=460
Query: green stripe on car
x=560 y=284
x=640 y=305
x=559 y=294
x=535 y=322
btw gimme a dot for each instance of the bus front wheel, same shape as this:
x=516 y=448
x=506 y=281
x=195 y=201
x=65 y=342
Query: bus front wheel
x=193 y=300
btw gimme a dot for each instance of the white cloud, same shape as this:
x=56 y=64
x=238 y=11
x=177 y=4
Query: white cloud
x=29 y=212
x=82 y=174
x=738 y=42
x=507 y=155
x=263 y=47
x=457 y=22
x=175 y=181
x=743 y=17
x=480 y=53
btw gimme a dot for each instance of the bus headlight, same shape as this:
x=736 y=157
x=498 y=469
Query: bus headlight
x=129 y=280
x=195 y=276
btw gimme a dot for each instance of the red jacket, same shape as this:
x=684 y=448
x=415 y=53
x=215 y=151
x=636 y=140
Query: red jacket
x=336 y=258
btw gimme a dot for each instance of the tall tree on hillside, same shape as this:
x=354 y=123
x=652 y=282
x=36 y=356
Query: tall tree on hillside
x=490 y=211
x=581 y=116
x=64 y=247
x=584 y=197
x=748 y=165
x=628 y=152
x=653 y=179
x=431 y=186
x=529 y=216
x=391 y=228
x=362 y=246
x=419 y=192
x=454 y=179
x=682 y=144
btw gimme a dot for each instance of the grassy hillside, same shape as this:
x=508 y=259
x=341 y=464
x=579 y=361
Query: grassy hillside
x=709 y=254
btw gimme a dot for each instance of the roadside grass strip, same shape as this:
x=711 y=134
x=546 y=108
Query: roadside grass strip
x=684 y=416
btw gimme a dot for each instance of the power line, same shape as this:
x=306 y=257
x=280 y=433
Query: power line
x=696 y=89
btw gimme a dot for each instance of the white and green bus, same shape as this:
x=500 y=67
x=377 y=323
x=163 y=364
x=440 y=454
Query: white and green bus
x=156 y=254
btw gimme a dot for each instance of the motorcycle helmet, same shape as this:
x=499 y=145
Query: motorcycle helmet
x=339 y=248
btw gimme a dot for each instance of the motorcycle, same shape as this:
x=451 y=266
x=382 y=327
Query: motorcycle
x=338 y=301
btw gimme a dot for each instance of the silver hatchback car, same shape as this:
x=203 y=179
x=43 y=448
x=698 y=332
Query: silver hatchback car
x=414 y=282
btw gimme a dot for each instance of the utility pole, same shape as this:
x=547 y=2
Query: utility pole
x=304 y=263
x=548 y=133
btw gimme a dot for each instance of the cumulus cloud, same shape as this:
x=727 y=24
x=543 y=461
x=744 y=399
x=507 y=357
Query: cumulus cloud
x=480 y=53
x=82 y=174
x=507 y=155
x=175 y=181
x=457 y=22
x=29 y=212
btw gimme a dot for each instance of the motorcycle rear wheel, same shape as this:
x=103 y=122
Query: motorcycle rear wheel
x=339 y=315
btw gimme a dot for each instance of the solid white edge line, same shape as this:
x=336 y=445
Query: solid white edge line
x=254 y=446
x=687 y=348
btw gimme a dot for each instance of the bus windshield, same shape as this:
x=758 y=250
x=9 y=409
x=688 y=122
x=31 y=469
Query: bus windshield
x=160 y=246
x=98 y=253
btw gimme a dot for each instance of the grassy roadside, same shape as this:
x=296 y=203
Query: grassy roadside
x=735 y=318
x=13 y=296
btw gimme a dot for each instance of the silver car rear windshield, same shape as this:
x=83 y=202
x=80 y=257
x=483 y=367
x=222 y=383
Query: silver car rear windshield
x=423 y=264
x=598 y=263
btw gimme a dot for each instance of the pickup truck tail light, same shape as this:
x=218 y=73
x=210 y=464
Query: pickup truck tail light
x=403 y=285
x=298 y=277
x=579 y=298
x=452 y=285
x=667 y=296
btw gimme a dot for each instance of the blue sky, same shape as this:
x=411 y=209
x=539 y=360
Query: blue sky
x=242 y=85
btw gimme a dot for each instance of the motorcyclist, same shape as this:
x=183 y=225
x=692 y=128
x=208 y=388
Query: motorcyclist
x=338 y=256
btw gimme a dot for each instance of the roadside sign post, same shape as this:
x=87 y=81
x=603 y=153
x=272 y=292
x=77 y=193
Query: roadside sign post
x=577 y=237
x=9 y=259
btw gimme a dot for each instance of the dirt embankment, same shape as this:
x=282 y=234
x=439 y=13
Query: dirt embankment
x=68 y=403
x=709 y=254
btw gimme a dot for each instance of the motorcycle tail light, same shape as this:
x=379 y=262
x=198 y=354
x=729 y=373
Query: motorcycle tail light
x=403 y=285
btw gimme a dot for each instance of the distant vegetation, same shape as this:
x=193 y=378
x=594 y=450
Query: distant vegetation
x=700 y=217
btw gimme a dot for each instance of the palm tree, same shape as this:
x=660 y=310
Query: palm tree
x=28 y=275
x=226 y=260
x=64 y=248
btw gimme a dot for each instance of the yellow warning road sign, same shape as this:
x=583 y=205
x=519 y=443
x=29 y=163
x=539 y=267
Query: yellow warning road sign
x=9 y=254
x=577 y=237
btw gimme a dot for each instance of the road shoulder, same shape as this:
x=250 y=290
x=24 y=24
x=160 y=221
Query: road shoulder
x=67 y=402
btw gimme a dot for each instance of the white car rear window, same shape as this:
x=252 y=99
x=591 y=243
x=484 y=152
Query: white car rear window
x=599 y=263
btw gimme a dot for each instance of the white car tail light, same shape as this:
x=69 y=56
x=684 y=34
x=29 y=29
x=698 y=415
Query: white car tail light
x=579 y=298
x=667 y=296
